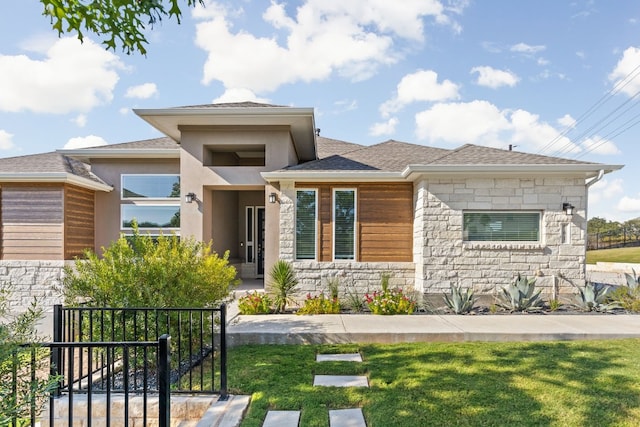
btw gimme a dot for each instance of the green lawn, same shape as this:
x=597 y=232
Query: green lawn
x=578 y=383
x=631 y=255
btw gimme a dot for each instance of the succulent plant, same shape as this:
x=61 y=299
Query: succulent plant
x=460 y=301
x=633 y=282
x=593 y=297
x=521 y=295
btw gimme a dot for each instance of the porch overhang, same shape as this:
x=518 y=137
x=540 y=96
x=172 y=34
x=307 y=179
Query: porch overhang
x=299 y=120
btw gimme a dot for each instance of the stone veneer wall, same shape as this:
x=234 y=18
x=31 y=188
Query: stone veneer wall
x=28 y=279
x=354 y=277
x=443 y=258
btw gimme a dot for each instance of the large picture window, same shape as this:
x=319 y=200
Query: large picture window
x=306 y=214
x=151 y=186
x=501 y=226
x=344 y=224
x=151 y=216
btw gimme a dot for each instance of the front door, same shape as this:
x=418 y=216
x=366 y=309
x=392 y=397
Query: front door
x=260 y=241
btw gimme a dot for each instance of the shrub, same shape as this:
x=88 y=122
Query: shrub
x=139 y=271
x=17 y=341
x=628 y=297
x=320 y=304
x=521 y=295
x=459 y=301
x=254 y=303
x=389 y=301
x=284 y=284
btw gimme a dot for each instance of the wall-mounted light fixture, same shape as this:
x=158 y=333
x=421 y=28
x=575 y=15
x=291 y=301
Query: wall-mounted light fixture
x=190 y=197
x=273 y=197
x=568 y=208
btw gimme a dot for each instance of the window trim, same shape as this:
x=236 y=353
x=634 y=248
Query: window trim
x=124 y=175
x=355 y=223
x=315 y=226
x=540 y=214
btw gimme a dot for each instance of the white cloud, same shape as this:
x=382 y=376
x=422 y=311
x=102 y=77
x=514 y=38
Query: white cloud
x=629 y=204
x=324 y=37
x=85 y=141
x=542 y=62
x=604 y=190
x=527 y=49
x=384 y=128
x=625 y=75
x=80 y=120
x=419 y=86
x=598 y=145
x=143 y=91
x=480 y=122
x=443 y=122
x=567 y=121
x=493 y=78
x=239 y=95
x=6 y=140
x=71 y=77
x=345 y=105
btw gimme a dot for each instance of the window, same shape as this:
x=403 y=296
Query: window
x=344 y=224
x=502 y=226
x=150 y=186
x=306 y=213
x=151 y=216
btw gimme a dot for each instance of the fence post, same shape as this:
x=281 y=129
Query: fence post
x=164 y=385
x=223 y=352
x=56 y=352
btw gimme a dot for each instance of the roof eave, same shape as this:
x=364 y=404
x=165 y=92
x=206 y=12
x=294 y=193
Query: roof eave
x=61 y=178
x=123 y=153
x=588 y=169
x=328 y=176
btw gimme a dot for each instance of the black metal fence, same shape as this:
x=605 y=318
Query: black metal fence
x=82 y=379
x=127 y=352
x=199 y=350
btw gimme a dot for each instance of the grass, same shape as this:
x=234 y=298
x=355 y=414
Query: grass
x=578 y=383
x=631 y=255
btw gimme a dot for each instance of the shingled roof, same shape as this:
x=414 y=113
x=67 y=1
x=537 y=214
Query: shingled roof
x=395 y=156
x=47 y=166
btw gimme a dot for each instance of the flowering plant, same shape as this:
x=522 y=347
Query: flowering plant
x=390 y=301
x=320 y=304
x=254 y=303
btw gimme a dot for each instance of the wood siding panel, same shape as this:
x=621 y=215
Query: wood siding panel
x=384 y=220
x=79 y=221
x=385 y=217
x=32 y=222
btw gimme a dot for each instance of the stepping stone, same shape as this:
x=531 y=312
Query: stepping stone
x=340 y=381
x=347 y=357
x=282 y=419
x=346 y=418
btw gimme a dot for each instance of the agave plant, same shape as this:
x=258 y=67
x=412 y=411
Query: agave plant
x=633 y=282
x=593 y=297
x=284 y=283
x=460 y=301
x=521 y=295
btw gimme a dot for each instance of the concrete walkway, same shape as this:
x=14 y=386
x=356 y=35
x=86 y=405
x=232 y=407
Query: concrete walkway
x=366 y=328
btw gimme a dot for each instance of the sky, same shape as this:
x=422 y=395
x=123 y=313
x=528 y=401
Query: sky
x=552 y=77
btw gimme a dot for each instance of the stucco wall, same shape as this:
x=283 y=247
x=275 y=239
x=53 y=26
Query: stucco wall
x=443 y=258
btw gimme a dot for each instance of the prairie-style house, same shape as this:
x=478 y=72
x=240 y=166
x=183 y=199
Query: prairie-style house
x=258 y=180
